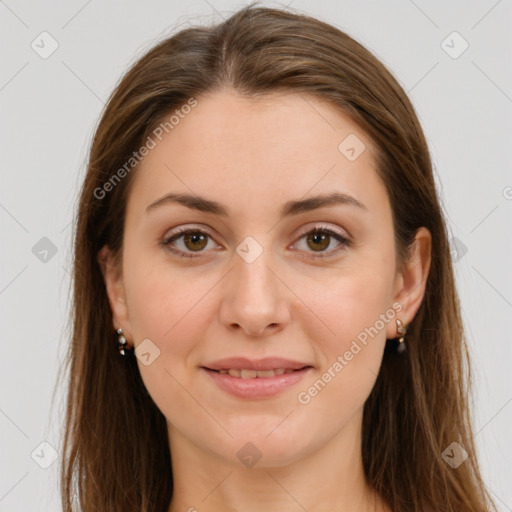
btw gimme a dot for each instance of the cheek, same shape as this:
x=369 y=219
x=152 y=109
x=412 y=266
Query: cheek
x=350 y=358
x=165 y=307
x=350 y=305
x=161 y=299
x=171 y=307
x=356 y=309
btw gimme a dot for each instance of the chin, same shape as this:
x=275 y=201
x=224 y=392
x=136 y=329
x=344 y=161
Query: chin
x=269 y=447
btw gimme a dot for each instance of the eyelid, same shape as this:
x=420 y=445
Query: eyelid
x=186 y=228
x=303 y=231
x=180 y=231
x=342 y=237
x=323 y=227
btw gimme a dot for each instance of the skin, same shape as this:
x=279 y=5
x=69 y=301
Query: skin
x=253 y=156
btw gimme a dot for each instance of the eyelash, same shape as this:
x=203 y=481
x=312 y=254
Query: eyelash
x=344 y=241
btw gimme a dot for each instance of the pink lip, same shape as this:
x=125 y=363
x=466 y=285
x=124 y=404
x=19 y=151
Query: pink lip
x=258 y=387
x=268 y=363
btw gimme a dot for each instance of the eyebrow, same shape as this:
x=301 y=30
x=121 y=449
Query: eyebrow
x=290 y=208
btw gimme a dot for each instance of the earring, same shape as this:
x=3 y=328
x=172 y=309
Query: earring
x=402 y=329
x=121 y=342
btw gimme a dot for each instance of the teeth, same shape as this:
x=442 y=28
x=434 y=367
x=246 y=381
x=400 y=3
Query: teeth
x=251 y=374
x=266 y=373
x=248 y=374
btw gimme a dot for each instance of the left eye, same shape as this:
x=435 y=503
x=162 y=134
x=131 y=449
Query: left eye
x=196 y=240
x=321 y=238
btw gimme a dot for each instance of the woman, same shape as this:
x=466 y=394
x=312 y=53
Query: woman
x=265 y=315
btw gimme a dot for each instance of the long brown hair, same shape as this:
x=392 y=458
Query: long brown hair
x=116 y=451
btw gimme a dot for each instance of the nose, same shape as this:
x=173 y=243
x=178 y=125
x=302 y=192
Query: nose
x=254 y=299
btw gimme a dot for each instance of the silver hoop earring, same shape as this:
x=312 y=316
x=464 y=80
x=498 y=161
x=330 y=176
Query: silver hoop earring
x=402 y=329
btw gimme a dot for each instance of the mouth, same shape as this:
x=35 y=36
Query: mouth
x=248 y=373
x=251 y=384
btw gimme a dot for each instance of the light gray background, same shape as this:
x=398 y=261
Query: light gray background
x=51 y=106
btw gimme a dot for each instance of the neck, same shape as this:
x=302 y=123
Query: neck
x=328 y=478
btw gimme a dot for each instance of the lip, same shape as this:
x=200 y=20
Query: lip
x=257 y=387
x=268 y=363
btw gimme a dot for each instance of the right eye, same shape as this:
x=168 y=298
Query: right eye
x=194 y=241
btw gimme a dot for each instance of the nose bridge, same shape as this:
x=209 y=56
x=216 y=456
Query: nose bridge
x=254 y=297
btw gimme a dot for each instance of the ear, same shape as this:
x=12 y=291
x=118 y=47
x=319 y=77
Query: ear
x=411 y=280
x=113 y=277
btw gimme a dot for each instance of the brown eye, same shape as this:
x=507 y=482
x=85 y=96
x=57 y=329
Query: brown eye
x=195 y=241
x=191 y=241
x=319 y=241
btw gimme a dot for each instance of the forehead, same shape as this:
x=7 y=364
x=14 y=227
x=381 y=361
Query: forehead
x=251 y=152
x=274 y=125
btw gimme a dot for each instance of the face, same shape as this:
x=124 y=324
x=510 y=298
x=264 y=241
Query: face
x=251 y=278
